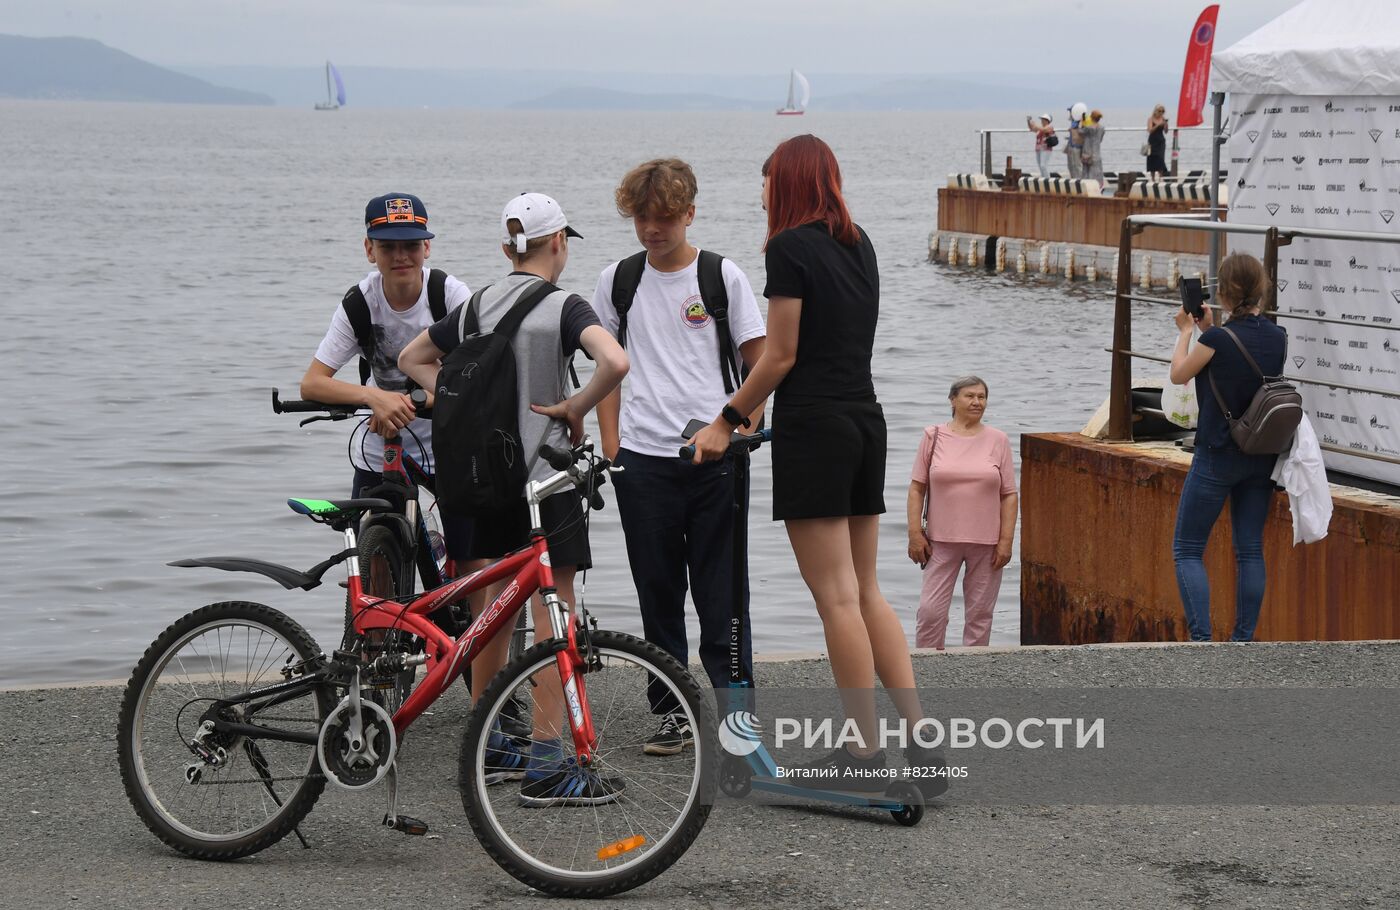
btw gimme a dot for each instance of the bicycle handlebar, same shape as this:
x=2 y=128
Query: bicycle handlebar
x=738 y=443
x=341 y=411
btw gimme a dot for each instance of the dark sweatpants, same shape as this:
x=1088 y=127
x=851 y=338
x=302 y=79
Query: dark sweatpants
x=678 y=521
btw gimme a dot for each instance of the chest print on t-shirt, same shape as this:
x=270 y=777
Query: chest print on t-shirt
x=693 y=312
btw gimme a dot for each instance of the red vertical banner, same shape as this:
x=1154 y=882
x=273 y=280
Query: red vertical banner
x=1196 y=76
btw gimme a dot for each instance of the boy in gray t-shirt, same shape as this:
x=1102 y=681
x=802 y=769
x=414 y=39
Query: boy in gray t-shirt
x=535 y=237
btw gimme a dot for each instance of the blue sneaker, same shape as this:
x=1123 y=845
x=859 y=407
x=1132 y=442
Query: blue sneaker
x=569 y=786
x=504 y=760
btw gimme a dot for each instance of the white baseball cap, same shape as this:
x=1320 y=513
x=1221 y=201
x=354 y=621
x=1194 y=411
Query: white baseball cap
x=539 y=216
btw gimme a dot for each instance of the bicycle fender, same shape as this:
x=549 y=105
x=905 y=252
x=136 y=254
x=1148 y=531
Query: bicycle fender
x=285 y=576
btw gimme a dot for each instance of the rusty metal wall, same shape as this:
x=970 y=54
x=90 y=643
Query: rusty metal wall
x=1070 y=219
x=1096 y=566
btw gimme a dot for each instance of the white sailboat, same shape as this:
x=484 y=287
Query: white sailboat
x=333 y=101
x=799 y=93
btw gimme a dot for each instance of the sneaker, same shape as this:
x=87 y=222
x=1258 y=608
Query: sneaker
x=840 y=770
x=504 y=760
x=571 y=786
x=671 y=737
x=515 y=718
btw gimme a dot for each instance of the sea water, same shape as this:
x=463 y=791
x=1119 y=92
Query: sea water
x=168 y=266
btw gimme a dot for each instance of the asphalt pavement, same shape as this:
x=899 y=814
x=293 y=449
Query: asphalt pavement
x=71 y=840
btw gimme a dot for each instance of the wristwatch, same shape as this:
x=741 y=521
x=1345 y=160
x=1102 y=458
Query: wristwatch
x=733 y=417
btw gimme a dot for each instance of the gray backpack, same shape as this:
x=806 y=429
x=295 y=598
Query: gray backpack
x=1267 y=425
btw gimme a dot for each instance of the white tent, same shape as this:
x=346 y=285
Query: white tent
x=1314 y=143
x=1319 y=47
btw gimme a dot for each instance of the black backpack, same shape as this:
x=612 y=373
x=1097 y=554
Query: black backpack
x=1270 y=420
x=482 y=466
x=713 y=294
x=357 y=311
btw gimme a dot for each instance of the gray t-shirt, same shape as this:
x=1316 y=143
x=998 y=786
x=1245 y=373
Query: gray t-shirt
x=546 y=340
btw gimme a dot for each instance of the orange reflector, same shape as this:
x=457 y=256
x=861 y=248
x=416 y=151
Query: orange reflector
x=621 y=847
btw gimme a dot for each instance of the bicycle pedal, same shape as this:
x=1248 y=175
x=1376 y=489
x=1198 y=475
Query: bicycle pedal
x=409 y=826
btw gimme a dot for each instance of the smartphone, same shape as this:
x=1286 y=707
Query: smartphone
x=1193 y=297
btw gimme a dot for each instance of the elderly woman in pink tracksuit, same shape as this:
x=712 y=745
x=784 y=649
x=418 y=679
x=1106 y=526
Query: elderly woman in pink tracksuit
x=962 y=513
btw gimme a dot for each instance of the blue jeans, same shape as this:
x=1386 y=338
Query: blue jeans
x=677 y=519
x=1215 y=475
x=1042 y=161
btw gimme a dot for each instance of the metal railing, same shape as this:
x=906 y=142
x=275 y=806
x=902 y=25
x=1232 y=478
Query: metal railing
x=985 y=155
x=1120 y=415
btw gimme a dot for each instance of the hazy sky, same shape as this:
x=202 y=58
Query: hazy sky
x=698 y=36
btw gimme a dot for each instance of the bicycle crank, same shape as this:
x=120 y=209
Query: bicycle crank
x=357 y=744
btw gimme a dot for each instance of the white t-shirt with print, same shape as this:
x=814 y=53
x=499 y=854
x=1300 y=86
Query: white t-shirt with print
x=393 y=330
x=673 y=347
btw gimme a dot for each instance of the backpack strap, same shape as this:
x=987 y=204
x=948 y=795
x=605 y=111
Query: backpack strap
x=1248 y=358
x=715 y=295
x=625 y=280
x=437 y=293
x=469 y=323
x=356 y=309
x=509 y=324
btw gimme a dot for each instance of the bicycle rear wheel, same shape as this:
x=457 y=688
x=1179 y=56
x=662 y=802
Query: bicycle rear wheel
x=606 y=847
x=262 y=788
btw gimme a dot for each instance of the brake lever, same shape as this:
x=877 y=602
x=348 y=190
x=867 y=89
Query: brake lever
x=324 y=417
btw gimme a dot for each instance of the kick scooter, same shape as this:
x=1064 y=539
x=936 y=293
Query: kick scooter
x=746 y=764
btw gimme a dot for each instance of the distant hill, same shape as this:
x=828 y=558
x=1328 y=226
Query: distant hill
x=486 y=89
x=996 y=92
x=601 y=99
x=80 y=69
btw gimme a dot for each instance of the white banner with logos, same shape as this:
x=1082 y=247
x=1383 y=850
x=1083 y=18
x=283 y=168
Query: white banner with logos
x=1330 y=162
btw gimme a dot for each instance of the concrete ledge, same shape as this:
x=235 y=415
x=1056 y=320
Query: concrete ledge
x=1097 y=522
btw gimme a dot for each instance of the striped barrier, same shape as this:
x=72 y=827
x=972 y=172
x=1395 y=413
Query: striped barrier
x=1060 y=186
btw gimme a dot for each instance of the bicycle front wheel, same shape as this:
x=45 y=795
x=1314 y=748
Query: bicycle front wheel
x=259 y=788
x=626 y=818
x=386 y=573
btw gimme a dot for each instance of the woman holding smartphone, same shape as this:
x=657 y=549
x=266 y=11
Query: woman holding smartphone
x=828 y=431
x=1219 y=470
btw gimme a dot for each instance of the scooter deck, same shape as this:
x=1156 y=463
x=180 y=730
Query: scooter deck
x=874 y=799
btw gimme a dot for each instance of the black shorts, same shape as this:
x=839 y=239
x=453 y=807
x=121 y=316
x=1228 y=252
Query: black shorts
x=828 y=459
x=563 y=518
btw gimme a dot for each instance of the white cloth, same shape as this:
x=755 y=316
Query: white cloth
x=674 y=351
x=1303 y=475
x=393 y=330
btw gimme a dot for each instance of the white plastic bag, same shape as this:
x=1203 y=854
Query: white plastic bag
x=1179 y=401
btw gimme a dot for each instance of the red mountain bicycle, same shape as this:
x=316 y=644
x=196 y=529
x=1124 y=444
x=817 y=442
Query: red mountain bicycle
x=234 y=719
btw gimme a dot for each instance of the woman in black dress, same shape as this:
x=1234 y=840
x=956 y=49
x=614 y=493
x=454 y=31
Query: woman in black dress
x=828 y=434
x=1157 y=142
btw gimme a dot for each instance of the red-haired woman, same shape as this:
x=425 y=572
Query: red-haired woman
x=828 y=432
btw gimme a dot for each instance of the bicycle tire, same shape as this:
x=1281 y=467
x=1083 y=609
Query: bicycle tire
x=669 y=814
x=386 y=572
x=200 y=657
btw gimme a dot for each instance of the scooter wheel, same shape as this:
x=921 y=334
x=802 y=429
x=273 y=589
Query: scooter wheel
x=911 y=812
x=735 y=777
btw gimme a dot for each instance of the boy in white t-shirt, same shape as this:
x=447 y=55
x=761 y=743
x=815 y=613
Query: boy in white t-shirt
x=396 y=295
x=677 y=517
